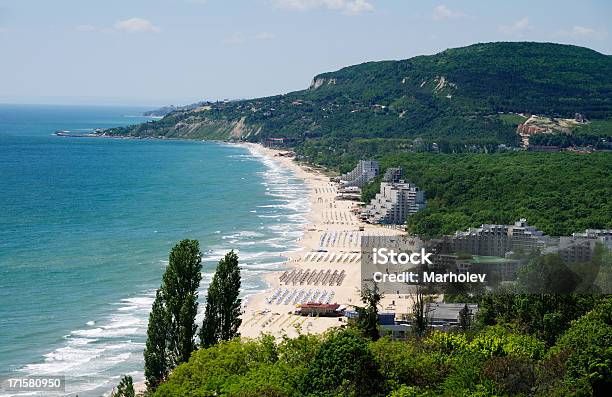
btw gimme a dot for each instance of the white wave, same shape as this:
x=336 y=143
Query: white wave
x=89 y=357
x=244 y=233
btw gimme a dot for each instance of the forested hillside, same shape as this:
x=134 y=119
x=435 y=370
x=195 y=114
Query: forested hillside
x=560 y=193
x=453 y=98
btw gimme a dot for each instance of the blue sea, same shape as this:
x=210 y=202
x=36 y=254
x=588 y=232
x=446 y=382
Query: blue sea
x=86 y=225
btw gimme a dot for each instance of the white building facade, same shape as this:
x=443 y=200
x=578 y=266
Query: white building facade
x=394 y=203
x=364 y=172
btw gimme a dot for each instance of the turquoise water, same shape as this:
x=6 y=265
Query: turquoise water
x=86 y=225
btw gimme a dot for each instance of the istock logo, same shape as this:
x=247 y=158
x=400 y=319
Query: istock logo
x=384 y=256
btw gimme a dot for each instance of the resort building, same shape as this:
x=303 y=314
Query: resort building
x=278 y=142
x=580 y=247
x=350 y=189
x=496 y=268
x=489 y=240
x=395 y=202
x=448 y=314
x=525 y=238
x=441 y=317
x=365 y=171
x=497 y=240
x=393 y=175
x=349 y=193
x=314 y=309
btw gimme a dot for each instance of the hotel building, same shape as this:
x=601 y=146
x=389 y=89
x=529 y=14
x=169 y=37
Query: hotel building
x=364 y=172
x=395 y=202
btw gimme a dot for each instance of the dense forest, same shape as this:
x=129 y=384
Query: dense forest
x=528 y=345
x=560 y=193
x=563 y=140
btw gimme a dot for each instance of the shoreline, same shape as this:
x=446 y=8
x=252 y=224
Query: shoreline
x=327 y=250
x=299 y=172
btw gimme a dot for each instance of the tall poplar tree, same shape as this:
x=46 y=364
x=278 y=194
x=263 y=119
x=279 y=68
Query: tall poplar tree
x=209 y=335
x=420 y=312
x=222 y=317
x=180 y=290
x=367 y=316
x=171 y=329
x=155 y=355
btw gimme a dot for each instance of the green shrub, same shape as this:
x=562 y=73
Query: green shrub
x=498 y=341
x=408 y=363
x=343 y=365
x=212 y=370
x=447 y=342
x=512 y=375
x=411 y=391
x=464 y=375
x=589 y=344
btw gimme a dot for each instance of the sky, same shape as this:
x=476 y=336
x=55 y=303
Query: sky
x=158 y=52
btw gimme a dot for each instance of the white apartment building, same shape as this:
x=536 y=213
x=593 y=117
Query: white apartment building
x=497 y=240
x=364 y=172
x=580 y=247
x=394 y=203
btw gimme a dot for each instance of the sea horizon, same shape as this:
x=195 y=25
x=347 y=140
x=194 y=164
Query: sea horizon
x=90 y=225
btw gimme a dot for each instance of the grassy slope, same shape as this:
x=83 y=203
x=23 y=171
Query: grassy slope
x=512 y=119
x=596 y=127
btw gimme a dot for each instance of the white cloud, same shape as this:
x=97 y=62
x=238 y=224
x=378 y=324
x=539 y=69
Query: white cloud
x=85 y=28
x=264 y=36
x=236 y=38
x=442 y=12
x=582 y=32
x=136 y=25
x=240 y=38
x=358 y=6
x=517 y=28
x=352 y=7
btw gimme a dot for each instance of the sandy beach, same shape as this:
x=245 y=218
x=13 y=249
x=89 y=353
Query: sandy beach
x=326 y=268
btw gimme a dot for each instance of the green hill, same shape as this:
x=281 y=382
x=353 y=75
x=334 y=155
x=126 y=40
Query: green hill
x=454 y=97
